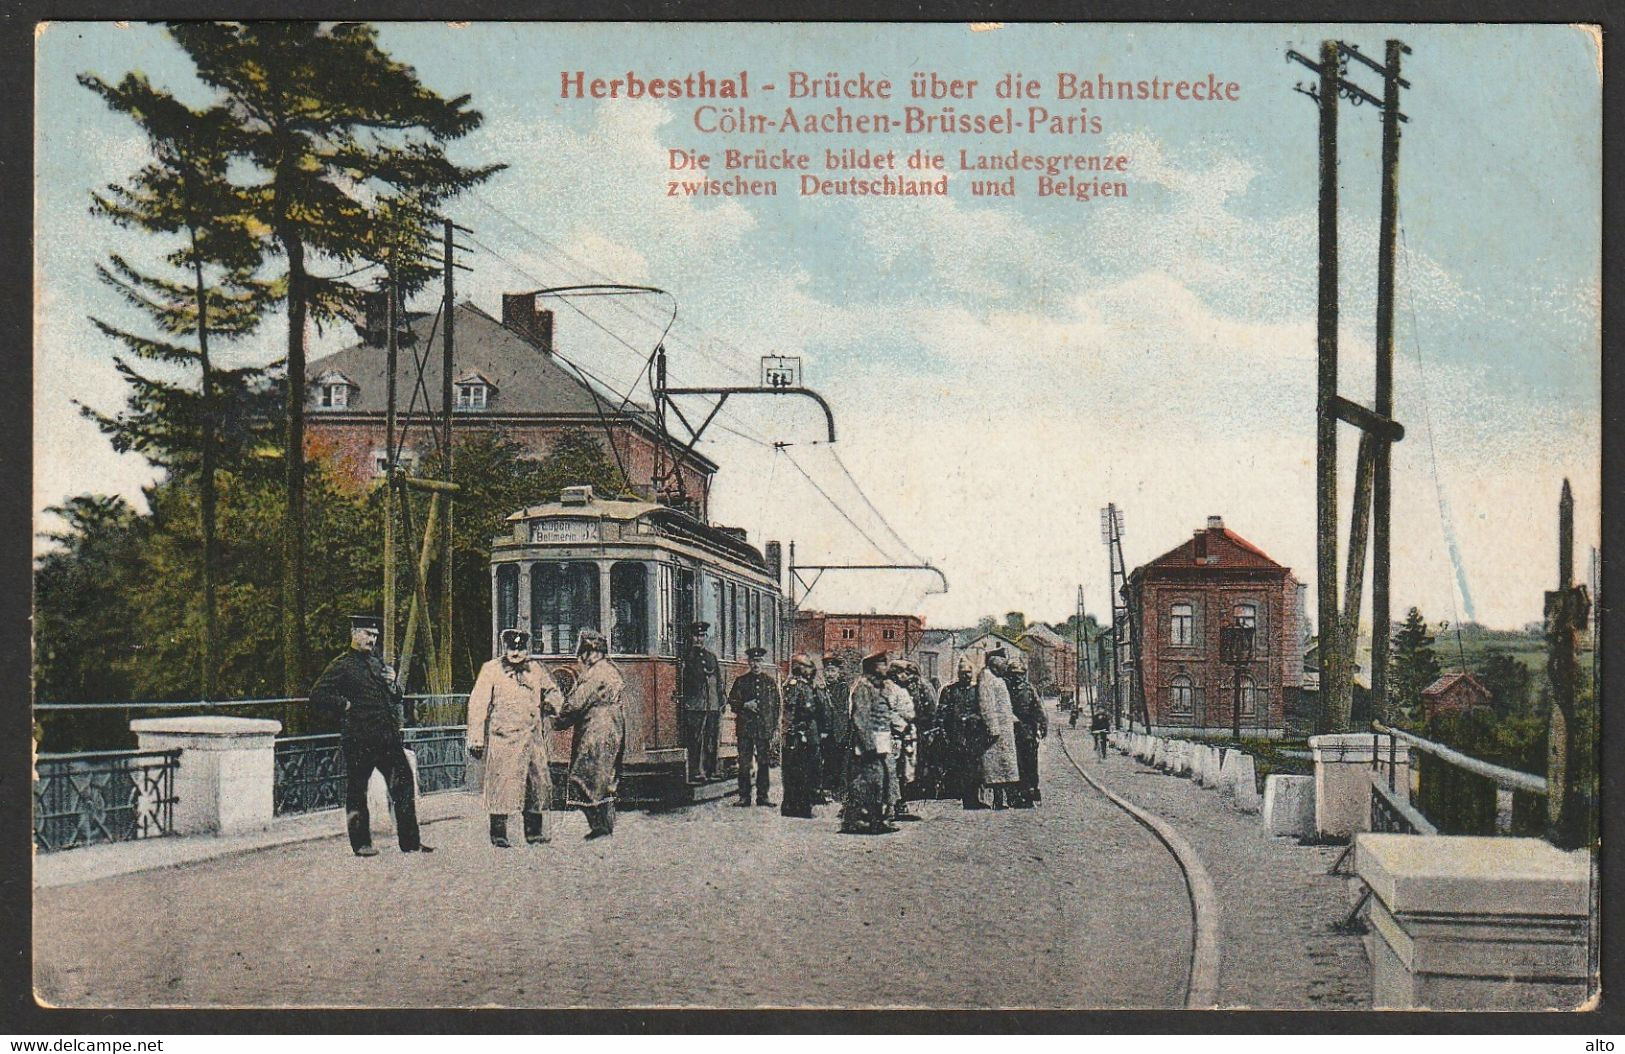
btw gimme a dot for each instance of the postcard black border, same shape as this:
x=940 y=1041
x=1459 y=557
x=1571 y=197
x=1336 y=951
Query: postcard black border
x=19 y=1014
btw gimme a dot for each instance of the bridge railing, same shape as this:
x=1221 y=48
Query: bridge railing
x=1485 y=796
x=105 y=796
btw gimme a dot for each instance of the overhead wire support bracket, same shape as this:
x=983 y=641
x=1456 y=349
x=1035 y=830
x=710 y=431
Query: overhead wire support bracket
x=722 y=395
x=1348 y=88
x=796 y=569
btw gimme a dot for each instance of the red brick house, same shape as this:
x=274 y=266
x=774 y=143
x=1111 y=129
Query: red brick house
x=1454 y=693
x=506 y=378
x=818 y=634
x=1184 y=597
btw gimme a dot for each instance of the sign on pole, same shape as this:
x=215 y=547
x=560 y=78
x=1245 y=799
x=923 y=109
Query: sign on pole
x=780 y=371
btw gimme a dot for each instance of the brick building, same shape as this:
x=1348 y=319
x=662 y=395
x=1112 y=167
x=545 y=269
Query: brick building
x=506 y=377
x=1055 y=654
x=818 y=634
x=1184 y=597
x=1454 y=693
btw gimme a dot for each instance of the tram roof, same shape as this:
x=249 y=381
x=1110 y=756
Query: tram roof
x=673 y=523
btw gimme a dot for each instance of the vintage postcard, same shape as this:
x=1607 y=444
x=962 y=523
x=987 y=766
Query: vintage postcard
x=1081 y=517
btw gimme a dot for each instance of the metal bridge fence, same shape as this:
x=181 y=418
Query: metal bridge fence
x=311 y=776
x=1484 y=798
x=106 y=796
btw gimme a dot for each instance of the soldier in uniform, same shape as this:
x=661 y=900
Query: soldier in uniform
x=361 y=689
x=804 y=713
x=902 y=737
x=1000 y=767
x=868 y=769
x=964 y=736
x=699 y=701
x=756 y=704
x=1031 y=725
x=836 y=725
x=510 y=717
x=594 y=709
x=927 y=736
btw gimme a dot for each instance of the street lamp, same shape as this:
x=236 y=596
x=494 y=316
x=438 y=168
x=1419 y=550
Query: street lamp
x=1236 y=651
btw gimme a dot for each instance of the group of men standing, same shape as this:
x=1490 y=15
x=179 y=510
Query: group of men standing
x=874 y=743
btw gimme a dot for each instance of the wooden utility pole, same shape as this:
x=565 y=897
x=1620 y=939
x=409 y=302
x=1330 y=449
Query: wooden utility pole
x=1567 y=610
x=1339 y=624
x=391 y=355
x=1334 y=695
x=448 y=324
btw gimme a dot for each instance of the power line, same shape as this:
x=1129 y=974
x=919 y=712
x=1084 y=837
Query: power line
x=836 y=505
x=836 y=454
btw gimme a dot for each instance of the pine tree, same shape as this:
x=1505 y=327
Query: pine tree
x=183 y=192
x=1414 y=665
x=349 y=148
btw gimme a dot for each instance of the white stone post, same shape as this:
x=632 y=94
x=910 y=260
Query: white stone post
x=1289 y=805
x=1343 y=778
x=1475 y=923
x=224 y=780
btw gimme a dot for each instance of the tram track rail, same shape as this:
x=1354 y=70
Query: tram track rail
x=1202 y=976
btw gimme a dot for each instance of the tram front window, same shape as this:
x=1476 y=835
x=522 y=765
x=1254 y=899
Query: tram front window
x=563 y=602
x=507 y=596
x=629 y=606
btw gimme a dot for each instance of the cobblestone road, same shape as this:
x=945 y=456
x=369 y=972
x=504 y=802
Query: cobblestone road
x=1276 y=901
x=1072 y=905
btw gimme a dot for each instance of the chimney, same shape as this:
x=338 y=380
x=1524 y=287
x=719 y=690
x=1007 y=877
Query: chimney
x=775 y=562
x=1215 y=523
x=374 y=327
x=519 y=313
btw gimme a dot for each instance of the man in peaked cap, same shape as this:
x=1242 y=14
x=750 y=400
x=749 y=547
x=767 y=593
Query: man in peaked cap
x=868 y=769
x=1000 y=767
x=756 y=702
x=836 y=725
x=699 y=703
x=362 y=690
x=510 y=719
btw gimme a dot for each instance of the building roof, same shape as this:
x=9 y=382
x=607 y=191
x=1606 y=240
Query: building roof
x=531 y=380
x=1041 y=632
x=1452 y=680
x=1219 y=547
x=999 y=636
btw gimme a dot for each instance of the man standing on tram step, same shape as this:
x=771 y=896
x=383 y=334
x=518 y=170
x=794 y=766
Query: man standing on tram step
x=594 y=709
x=837 y=724
x=364 y=693
x=510 y=718
x=868 y=769
x=756 y=703
x=804 y=710
x=1000 y=766
x=699 y=700
x=1031 y=725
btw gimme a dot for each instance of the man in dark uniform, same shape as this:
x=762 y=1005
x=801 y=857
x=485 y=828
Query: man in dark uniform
x=928 y=736
x=362 y=691
x=1099 y=727
x=699 y=702
x=756 y=703
x=965 y=735
x=1031 y=726
x=837 y=724
x=804 y=711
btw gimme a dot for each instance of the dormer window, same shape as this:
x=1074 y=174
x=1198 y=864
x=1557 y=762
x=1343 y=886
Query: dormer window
x=334 y=390
x=474 y=392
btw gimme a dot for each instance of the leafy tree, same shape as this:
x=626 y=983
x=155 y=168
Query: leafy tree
x=1509 y=682
x=1015 y=624
x=183 y=191
x=1413 y=665
x=82 y=639
x=349 y=148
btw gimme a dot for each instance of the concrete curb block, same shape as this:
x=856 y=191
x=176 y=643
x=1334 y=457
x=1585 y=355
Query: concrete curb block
x=1202 y=986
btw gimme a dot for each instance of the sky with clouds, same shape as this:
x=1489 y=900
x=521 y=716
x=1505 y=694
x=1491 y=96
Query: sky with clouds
x=1000 y=368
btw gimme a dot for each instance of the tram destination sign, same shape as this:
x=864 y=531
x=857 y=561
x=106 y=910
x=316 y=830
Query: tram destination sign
x=564 y=531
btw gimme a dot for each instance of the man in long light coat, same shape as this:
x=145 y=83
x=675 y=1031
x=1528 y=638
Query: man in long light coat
x=868 y=768
x=510 y=716
x=902 y=737
x=594 y=709
x=1000 y=766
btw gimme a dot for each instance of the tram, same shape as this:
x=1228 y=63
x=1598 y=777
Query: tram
x=640 y=573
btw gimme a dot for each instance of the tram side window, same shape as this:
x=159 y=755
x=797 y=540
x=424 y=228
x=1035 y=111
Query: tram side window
x=735 y=617
x=629 y=606
x=507 y=596
x=755 y=619
x=720 y=620
x=770 y=626
x=664 y=617
x=563 y=602
x=685 y=603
